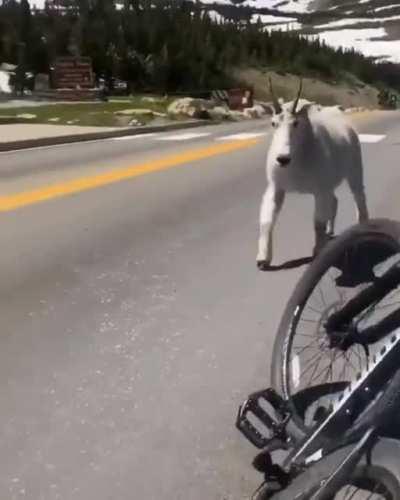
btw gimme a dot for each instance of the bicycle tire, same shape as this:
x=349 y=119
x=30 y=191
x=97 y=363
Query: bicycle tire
x=382 y=465
x=382 y=229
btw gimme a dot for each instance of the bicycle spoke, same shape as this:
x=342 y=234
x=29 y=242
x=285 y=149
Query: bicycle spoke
x=315 y=369
x=306 y=320
x=320 y=374
x=322 y=297
x=300 y=350
x=349 y=361
x=314 y=310
x=316 y=357
x=356 y=351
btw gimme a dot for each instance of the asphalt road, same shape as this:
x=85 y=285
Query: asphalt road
x=134 y=319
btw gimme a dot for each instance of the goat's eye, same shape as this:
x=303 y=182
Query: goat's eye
x=295 y=123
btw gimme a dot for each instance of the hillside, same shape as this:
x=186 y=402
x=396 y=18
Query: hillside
x=174 y=47
x=350 y=94
x=370 y=26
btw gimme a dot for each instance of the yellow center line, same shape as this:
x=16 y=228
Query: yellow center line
x=22 y=199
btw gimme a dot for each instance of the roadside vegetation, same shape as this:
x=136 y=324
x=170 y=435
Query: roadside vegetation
x=115 y=113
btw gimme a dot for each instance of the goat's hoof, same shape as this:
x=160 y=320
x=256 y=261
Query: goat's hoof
x=263 y=265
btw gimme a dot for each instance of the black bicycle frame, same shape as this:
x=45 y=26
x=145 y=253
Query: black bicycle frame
x=351 y=403
x=339 y=476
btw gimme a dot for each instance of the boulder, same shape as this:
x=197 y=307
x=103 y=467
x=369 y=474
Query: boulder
x=134 y=111
x=26 y=116
x=256 y=111
x=219 y=113
x=189 y=106
x=237 y=115
x=152 y=99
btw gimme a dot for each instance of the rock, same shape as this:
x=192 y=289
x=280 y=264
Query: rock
x=257 y=111
x=199 y=114
x=237 y=115
x=152 y=99
x=219 y=113
x=134 y=111
x=134 y=123
x=189 y=106
x=266 y=107
x=54 y=119
x=355 y=110
x=26 y=116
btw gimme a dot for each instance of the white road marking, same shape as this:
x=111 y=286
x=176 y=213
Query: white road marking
x=241 y=137
x=184 y=137
x=129 y=137
x=370 y=138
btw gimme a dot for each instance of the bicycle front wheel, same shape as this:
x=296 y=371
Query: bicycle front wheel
x=305 y=370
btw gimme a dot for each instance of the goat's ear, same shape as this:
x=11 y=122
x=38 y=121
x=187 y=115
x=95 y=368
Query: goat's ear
x=306 y=108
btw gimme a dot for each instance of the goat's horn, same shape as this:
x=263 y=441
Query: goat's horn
x=296 y=102
x=275 y=101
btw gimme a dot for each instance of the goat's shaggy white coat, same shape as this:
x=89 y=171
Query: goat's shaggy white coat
x=321 y=149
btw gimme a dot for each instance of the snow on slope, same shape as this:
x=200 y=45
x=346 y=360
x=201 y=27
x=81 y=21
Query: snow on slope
x=373 y=29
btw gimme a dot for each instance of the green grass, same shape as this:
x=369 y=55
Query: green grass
x=94 y=114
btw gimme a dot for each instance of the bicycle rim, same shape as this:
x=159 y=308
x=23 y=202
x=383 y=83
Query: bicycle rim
x=308 y=361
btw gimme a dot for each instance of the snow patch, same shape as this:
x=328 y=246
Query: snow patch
x=359 y=20
x=267 y=18
x=300 y=6
x=379 y=9
x=216 y=16
x=284 y=27
x=360 y=40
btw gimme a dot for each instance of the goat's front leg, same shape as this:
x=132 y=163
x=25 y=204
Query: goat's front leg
x=324 y=217
x=270 y=207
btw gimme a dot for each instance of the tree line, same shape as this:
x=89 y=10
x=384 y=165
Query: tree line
x=173 y=45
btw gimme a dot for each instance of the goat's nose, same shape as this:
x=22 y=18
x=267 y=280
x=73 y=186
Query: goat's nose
x=283 y=160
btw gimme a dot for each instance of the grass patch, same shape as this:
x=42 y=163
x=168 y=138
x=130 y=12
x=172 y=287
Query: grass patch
x=94 y=114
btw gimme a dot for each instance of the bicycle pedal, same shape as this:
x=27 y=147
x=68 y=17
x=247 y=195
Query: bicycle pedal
x=262 y=418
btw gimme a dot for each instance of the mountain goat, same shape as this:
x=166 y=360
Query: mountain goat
x=313 y=150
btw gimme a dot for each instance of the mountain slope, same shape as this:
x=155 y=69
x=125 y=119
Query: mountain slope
x=369 y=26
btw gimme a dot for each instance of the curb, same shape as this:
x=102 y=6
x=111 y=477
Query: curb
x=94 y=136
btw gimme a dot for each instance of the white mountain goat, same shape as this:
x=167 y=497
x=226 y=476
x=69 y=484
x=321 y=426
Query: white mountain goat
x=313 y=150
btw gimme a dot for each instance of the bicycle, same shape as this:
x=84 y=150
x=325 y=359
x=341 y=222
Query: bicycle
x=363 y=407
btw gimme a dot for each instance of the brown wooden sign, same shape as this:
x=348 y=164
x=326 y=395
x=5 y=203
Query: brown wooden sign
x=240 y=98
x=73 y=73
